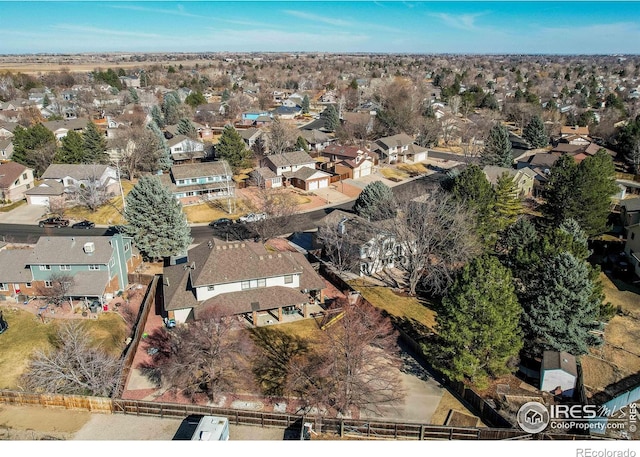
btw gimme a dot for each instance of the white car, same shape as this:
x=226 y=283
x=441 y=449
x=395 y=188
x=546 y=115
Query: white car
x=252 y=217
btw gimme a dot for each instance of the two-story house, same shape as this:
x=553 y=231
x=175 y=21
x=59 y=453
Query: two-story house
x=15 y=180
x=240 y=278
x=95 y=266
x=194 y=182
x=298 y=168
x=399 y=148
x=184 y=149
x=349 y=161
x=70 y=178
x=523 y=178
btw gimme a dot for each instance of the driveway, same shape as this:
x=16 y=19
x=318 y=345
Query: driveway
x=23 y=214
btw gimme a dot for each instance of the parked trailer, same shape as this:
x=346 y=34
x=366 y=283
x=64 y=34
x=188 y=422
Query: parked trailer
x=212 y=428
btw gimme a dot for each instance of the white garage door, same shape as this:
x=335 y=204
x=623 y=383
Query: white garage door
x=324 y=183
x=38 y=200
x=313 y=185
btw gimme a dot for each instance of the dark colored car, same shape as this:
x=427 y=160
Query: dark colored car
x=84 y=225
x=54 y=222
x=223 y=222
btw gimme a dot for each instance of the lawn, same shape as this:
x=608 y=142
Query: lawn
x=414 y=169
x=393 y=174
x=27 y=333
x=107 y=214
x=400 y=306
x=216 y=209
x=12 y=206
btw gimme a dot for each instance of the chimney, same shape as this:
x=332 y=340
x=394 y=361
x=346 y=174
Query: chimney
x=89 y=247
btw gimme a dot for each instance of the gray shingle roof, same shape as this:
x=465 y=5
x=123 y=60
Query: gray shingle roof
x=14 y=266
x=75 y=171
x=200 y=170
x=631 y=204
x=289 y=159
x=48 y=187
x=89 y=284
x=70 y=250
x=555 y=360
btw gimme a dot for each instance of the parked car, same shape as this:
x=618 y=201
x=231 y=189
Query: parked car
x=84 y=225
x=252 y=217
x=222 y=222
x=54 y=222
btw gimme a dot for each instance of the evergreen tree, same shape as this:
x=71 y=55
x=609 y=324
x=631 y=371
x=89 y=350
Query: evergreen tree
x=27 y=142
x=226 y=95
x=195 y=99
x=497 y=149
x=232 y=148
x=534 y=132
x=472 y=188
x=133 y=93
x=72 y=149
x=595 y=187
x=301 y=144
x=155 y=220
x=478 y=325
x=170 y=108
x=559 y=191
x=305 y=104
x=186 y=128
x=508 y=205
x=331 y=118
x=376 y=202
x=564 y=315
x=156 y=116
x=94 y=144
x=163 y=153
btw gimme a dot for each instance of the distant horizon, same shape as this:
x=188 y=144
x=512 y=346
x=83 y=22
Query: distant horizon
x=333 y=27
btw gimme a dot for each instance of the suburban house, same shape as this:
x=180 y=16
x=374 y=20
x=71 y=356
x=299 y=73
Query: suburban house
x=6 y=149
x=15 y=180
x=523 y=178
x=195 y=182
x=559 y=373
x=96 y=266
x=265 y=178
x=184 y=149
x=399 y=149
x=348 y=161
x=7 y=128
x=299 y=169
x=61 y=128
x=632 y=246
x=316 y=139
x=240 y=278
x=630 y=211
x=250 y=135
x=256 y=118
x=366 y=250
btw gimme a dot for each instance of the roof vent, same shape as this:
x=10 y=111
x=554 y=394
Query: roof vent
x=89 y=247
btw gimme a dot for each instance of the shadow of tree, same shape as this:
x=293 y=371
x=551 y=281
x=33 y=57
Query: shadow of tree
x=275 y=348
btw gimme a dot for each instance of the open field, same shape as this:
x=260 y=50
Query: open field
x=39 y=65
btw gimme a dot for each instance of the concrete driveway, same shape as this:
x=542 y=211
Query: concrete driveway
x=23 y=214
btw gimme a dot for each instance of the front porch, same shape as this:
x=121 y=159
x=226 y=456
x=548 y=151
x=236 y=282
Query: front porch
x=283 y=315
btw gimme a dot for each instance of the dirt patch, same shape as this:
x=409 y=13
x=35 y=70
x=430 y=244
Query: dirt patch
x=38 y=423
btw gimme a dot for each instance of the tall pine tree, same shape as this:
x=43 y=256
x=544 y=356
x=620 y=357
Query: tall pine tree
x=156 y=116
x=163 y=153
x=155 y=220
x=186 y=128
x=94 y=145
x=507 y=206
x=497 y=148
x=331 y=118
x=535 y=133
x=478 y=326
x=376 y=202
x=233 y=149
x=72 y=148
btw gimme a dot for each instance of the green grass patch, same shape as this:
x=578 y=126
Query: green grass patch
x=403 y=307
x=27 y=333
x=12 y=206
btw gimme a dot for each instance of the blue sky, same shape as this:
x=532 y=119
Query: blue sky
x=475 y=27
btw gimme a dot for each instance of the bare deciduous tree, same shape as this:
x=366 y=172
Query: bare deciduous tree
x=357 y=364
x=436 y=238
x=56 y=289
x=279 y=206
x=93 y=194
x=341 y=246
x=208 y=356
x=74 y=366
x=281 y=137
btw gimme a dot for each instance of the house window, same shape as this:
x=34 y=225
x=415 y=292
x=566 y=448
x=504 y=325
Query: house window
x=48 y=284
x=126 y=247
x=24 y=176
x=194 y=180
x=262 y=283
x=65 y=267
x=94 y=267
x=245 y=285
x=4 y=286
x=288 y=279
x=28 y=285
x=210 y=288
x=45 y=267
x=180 y=181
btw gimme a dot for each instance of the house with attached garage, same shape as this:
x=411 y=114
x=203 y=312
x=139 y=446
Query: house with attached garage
x=240 y=279
x=184 y=149
x=399 y=148
x=195 y=182
x=15 y=180
x=96 y=266
x=351 y=161
x=297 y=169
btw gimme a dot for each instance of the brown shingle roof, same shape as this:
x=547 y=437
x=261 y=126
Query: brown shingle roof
x=252 y=300
x=9 y=172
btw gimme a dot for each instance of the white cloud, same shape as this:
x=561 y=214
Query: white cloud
x=459 y=21
x=316 y=18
